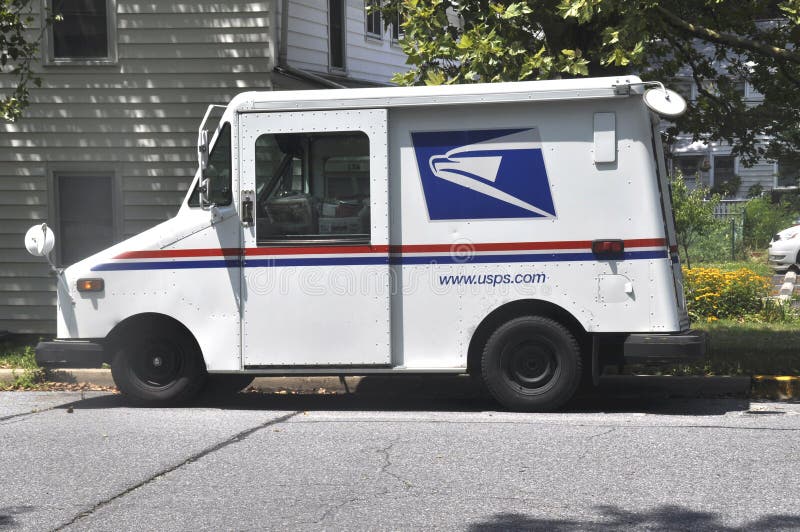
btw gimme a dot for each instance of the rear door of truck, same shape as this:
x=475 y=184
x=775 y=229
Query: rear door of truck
x=669 y=220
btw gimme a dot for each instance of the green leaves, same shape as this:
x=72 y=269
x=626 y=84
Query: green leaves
x=454 y=41
x=694 y=215
x=18 y=49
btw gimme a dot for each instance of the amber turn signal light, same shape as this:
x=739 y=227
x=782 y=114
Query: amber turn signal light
x=90 y=285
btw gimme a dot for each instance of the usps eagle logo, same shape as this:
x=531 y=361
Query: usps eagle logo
x=483 y=174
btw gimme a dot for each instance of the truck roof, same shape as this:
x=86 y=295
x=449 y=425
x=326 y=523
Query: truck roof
x=551 y=90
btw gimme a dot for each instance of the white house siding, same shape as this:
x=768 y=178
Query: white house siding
x=307 y=35
x=137 y=118
x=761 y=173
x=367 y=58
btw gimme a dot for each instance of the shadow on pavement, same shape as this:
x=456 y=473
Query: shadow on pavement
x=7 y=514
x=669 y=517
x=655 y=395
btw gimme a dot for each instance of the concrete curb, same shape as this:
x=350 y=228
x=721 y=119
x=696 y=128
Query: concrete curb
x=760 y=386
x=787 y=288
x=97 y=377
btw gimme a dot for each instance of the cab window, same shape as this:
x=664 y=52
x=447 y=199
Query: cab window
x=218 y=172
x=312 y=186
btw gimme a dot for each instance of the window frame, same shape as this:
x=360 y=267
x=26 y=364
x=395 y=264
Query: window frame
x=778 y=176
x=195 y=204
x=54 y=174
x=397 y=31
x=111 y=57
x=372 y=34
x=319 y=238
x=697 y=176
x=713 y=171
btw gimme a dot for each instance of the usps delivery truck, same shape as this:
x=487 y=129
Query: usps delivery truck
x=520 y=232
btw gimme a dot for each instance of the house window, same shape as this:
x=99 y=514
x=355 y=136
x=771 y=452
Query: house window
x=725 y=181
x=85 y=215
x=373 y=17
x=788 y=171
x=86 y=33
x=740 y=88
x=724 y=168
x=689 y=166
x=312 y=186
x=336 y=36
x=397 y=29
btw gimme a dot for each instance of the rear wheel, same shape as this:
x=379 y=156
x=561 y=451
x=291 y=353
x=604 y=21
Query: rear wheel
x=532 y=363
x=162 y=365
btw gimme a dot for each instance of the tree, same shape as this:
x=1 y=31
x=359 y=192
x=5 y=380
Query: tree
x=694 y=215
x=718 y=43
x=19 y=45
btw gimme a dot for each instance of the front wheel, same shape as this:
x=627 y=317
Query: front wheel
x=160 y=366
x=532 y=364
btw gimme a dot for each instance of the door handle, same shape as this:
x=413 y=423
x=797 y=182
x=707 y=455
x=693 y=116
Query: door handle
x=247 y=211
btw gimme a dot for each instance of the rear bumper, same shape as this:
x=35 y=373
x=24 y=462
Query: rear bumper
x=686 y=346
x=70 y=354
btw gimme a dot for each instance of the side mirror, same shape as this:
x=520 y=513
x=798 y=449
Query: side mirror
x=40 y=240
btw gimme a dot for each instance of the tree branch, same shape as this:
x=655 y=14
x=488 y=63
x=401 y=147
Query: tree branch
x=781 y=54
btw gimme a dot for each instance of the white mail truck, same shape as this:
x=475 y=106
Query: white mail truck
x=520 y=232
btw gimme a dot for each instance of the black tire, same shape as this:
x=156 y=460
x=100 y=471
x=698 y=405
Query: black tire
x=226 y=384
x=532 y=364
x=161 y=366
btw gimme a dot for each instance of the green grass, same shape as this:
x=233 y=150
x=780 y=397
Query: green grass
x=17 y=357
x=22 y=359
x=746 y=348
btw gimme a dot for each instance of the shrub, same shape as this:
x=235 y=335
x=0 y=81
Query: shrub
x=728 y=188
x=27 y=374
x=714 y=245
x=694 y=215
x=763 y=219
x=712 y=294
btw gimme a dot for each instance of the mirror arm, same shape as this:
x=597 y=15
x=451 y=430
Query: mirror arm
x=60 y=277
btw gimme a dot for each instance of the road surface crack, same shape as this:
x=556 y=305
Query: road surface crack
x=387 y=463
x=236 y=438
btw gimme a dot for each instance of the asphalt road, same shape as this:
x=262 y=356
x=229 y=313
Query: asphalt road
x=257 y=461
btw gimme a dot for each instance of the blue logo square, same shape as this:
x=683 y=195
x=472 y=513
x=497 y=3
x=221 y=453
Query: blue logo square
x=483 y=174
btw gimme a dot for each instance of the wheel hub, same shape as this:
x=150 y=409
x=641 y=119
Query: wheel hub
x=160 y=364
x=530 y=366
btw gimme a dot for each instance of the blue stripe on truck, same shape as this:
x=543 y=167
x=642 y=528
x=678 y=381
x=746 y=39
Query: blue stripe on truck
x=366 y=261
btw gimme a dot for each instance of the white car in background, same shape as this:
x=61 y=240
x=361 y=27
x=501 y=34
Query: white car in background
x=784 y=249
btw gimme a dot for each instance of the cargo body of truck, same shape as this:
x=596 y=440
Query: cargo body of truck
x=521 y=232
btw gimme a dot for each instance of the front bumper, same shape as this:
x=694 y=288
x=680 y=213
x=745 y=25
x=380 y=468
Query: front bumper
x=782 y=254
x=70 y=354
x=687 y=346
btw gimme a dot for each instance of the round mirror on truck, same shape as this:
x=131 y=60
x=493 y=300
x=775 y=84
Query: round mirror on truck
x=665 y=102
x=40 y=240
